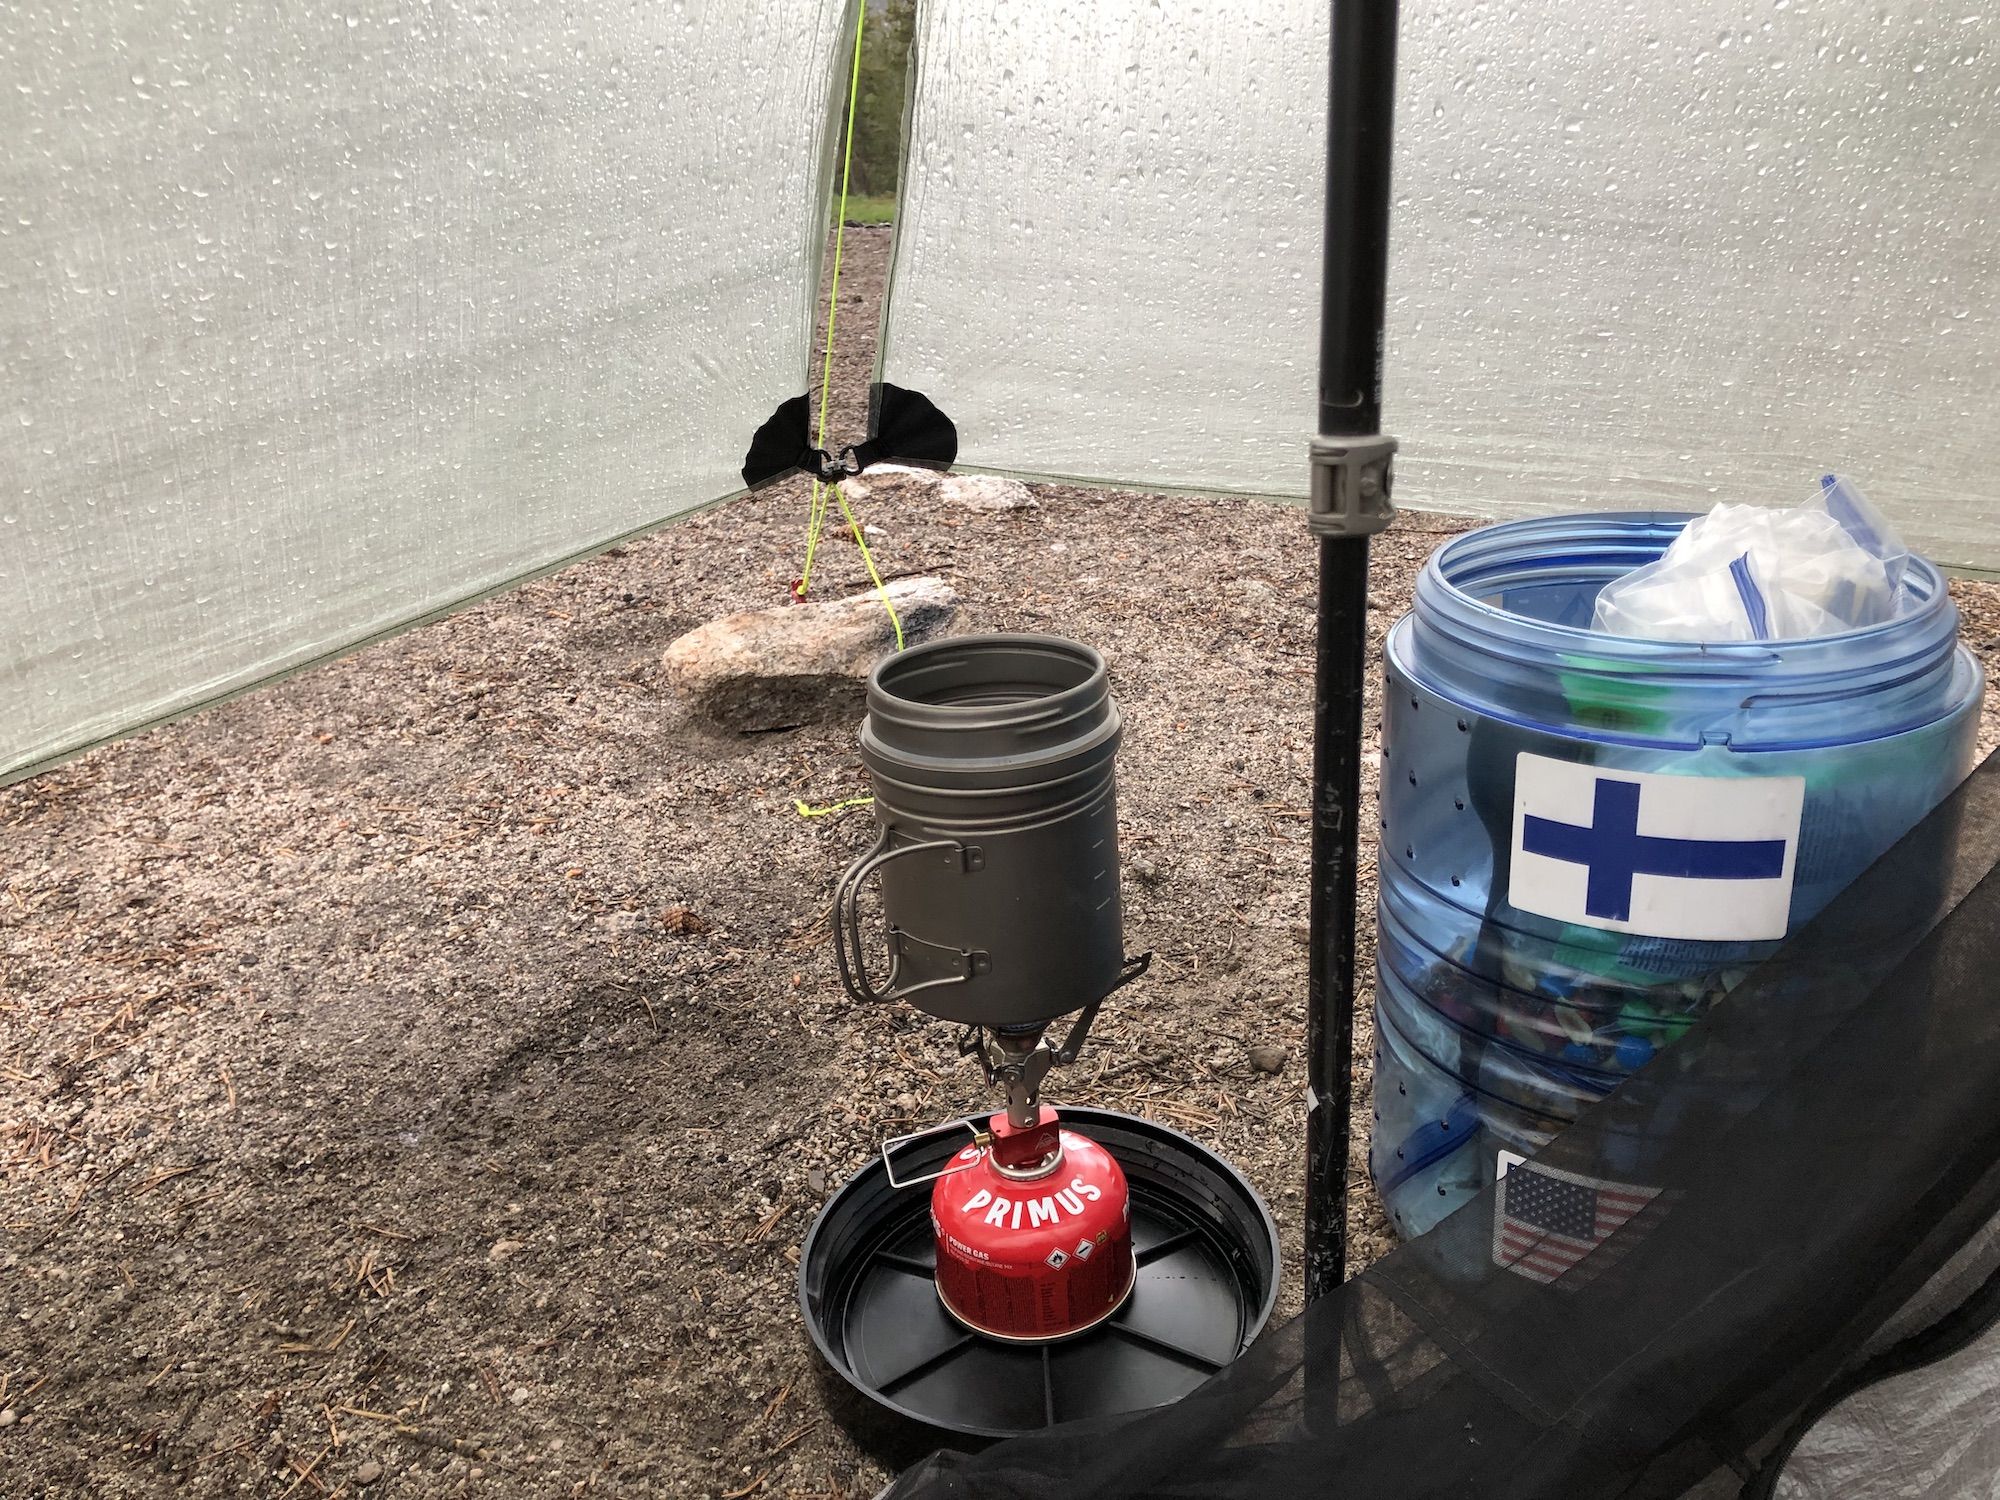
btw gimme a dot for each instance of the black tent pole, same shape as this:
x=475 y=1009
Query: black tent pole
x=1350 y=503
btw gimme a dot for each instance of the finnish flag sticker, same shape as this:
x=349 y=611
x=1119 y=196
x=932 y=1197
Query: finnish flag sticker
x=1704 y=858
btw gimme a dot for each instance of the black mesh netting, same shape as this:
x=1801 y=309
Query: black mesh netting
x=1802 y=1164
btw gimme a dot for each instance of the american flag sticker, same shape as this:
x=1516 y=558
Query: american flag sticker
x=1547 y=1221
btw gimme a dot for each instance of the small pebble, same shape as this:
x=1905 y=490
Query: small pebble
x=816 y=1179
x=1266 y=1058
x=520 y=1395
x=505 y=1249
x=9 y=1417
x=368 y=1473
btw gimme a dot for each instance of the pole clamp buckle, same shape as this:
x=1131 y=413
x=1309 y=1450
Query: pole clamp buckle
x=1351 y=481
x=831 y=467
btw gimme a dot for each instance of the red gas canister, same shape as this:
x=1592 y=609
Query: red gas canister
x=1034 y=1233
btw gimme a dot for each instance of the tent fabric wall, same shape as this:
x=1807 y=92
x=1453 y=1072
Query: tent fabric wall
x=1919 y=1423
x=317 y=319
x=1642 y=257
x=1927 y=1435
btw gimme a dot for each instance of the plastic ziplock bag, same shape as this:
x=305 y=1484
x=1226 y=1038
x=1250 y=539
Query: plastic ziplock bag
x=1751 y=573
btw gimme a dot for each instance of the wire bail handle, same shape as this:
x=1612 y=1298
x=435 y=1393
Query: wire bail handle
x=979 y=1138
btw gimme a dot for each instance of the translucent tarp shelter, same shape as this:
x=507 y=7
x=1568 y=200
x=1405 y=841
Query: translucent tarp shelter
x=1644 y=255
x=315 y=322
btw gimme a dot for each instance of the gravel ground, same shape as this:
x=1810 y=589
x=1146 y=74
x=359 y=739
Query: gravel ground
x=416 y=1077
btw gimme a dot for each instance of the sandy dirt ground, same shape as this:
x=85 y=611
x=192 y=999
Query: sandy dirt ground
x=417 y=1077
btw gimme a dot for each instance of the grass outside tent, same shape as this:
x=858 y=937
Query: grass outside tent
x=871 y=208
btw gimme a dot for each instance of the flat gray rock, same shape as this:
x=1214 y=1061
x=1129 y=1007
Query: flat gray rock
x=801 y=663
x=987 y=492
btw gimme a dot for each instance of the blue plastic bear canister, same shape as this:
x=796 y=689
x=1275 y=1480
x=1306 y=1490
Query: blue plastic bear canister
x=1588 y=839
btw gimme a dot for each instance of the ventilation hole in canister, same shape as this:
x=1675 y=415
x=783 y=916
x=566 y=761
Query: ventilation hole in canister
x=1456 y=881
x=1413 y=778
x=1463 y=727
x=1459 y=803
x=1409 y=851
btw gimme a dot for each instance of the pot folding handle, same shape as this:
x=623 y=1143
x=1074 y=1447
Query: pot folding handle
x=847 y=924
